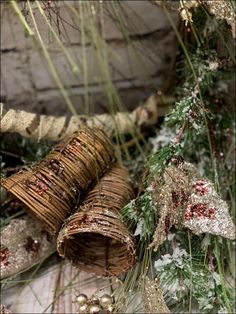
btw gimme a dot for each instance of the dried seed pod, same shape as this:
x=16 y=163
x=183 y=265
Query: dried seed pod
x=95 y=239
x=51 y=188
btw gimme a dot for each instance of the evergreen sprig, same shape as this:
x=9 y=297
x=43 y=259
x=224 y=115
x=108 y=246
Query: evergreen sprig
x=197 y=122
x=182 y=274
x=159 y=161
x=141 y=215
x=189 y=116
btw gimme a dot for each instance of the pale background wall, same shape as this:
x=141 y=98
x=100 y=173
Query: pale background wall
x=139 y=71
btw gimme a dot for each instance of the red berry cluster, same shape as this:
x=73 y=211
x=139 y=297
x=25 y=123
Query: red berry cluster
x=199 y=211
x=200 y=187
x=4 y=257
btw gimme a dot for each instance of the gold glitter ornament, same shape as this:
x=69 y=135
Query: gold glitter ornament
x=109 y=308
x=81 y=299
x=94 y=308
x=94 y=300
x=153 y=297
x=95 y=304
x=106 y=300
x=186 y=15
x=189 y=4
x=221 y=9
x=83 y=309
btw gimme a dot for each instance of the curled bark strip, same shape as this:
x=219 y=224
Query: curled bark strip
x=54 y=128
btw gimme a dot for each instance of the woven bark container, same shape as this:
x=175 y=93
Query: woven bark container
x=95 y=239
x=51 y=189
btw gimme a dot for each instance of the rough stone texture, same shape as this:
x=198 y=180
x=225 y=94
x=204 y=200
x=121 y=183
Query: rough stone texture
x=137 y=66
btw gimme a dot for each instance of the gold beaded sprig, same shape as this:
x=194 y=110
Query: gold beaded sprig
x=153 y=297
x=103 y=304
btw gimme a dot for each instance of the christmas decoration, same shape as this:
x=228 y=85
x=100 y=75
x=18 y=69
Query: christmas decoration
x=94 y=308
x=186 y=199
x=184 y=9
x=24 y=242
x=103 y=304
x=153 y=297
x=106 y=301
x=81 y=299
x=172 y=198
x=94 y=238
x=178 y=273
x=51 y=188
x=222 y=10
x=207 y=212
x=176 y=207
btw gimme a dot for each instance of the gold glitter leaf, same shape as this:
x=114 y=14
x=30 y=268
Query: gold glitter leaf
x=172 y=198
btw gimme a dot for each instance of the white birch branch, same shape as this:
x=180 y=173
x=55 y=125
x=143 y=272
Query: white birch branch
x=55 y=128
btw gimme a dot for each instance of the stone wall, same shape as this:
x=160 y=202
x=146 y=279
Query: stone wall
x=138 y=65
